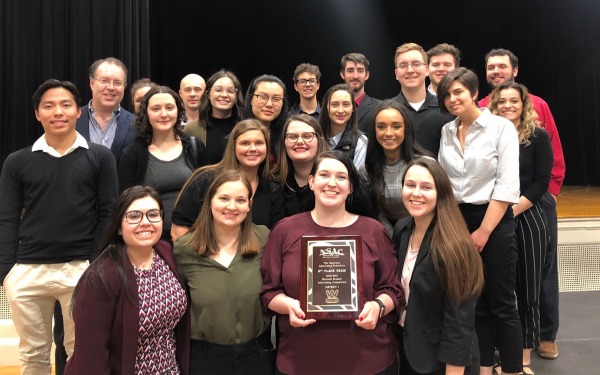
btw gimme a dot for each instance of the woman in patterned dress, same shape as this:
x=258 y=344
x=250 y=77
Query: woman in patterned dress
x=130 y=308
x=219 y=259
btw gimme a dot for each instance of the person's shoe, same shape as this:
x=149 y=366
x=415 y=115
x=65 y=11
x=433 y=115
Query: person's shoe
x=547 y=350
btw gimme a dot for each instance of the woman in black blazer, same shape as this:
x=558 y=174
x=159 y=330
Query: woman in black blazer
x=441 y=274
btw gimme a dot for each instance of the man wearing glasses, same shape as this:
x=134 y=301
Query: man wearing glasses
x=355 y=72
x=410 y=63
x=55 y=198
x=191 y=89
x=103 y=121
x=307 y=81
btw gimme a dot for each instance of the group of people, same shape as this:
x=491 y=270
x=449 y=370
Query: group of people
x=191 y=211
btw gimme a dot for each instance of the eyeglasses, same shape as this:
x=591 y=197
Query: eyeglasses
x=415 y=65
x=220 y=90
x=262 y=99
x=105 y=82
x=306 y=137
x=135 y=217
x=304 y=82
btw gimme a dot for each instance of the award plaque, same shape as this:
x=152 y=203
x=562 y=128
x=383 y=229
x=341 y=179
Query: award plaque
x=331 y=277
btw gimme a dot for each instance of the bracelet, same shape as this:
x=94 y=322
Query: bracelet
x=381 y=307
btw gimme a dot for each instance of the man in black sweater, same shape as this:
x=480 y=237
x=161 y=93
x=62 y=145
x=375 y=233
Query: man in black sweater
x=55 y=198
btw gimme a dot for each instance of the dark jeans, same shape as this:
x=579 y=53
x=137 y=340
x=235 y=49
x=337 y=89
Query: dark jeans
x=60 y=354
x=549 y=291
x=253 y=357
x=497 y=321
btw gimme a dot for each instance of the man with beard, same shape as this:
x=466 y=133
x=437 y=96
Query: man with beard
x=503 y=66
x=411 y=70
x=191 y=89
x=355 y=72
x=307 y=81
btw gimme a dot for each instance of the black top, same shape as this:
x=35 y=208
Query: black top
x=216 y=130
x=267 y=202
x=428 y=121
x=296 y=198
x=134 y=160
x=535 y=165
x=53 y=210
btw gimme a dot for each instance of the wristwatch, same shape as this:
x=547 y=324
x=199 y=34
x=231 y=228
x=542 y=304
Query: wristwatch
x=381 y=307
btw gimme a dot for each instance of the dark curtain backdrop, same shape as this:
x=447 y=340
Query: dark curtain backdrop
x=44 y=39
x=555 y=40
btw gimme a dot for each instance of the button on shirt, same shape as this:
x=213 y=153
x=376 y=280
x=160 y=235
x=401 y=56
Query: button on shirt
x=489 y=166
x=104 y=138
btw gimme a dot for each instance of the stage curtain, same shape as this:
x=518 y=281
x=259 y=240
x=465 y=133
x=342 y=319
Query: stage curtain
x=42 y=39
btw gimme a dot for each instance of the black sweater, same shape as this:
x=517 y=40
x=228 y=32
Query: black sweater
x=53 y=210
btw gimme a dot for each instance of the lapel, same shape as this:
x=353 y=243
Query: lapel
x=404 y=234
x=364 y=107
x=123 y=125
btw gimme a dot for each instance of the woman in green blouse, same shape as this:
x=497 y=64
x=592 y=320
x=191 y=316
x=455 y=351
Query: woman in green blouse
x=219 y=260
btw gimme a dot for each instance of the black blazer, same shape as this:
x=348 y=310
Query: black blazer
x=365 y=113
x=124 y=135
x=436 y=331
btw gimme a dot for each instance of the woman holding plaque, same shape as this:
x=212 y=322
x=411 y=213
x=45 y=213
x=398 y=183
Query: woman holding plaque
x=365 y=344
x=441 y=276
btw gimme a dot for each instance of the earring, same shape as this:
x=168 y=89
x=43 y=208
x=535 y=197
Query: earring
x=119 y=232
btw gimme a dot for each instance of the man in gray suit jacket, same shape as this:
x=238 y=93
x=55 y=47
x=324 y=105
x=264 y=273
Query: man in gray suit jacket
x=103 y=121
x=355 y=72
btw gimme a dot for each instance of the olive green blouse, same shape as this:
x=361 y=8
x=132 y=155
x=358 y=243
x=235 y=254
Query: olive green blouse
x=225 y=307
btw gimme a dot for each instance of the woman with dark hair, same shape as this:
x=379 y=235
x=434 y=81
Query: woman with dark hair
x=138 y=90
x=511 y=101
x=266 y=101
x=301 y=143
x=480 y=152
x=441 y=275
x=246 y=151
x=386 y=159
x=219 y=260
x=221 y=108
x=161 y=156
x=365 y=345
x=340 y=126
x=130 y=308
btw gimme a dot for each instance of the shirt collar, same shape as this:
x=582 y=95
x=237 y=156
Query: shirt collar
x=91 y=109
x=42 y=145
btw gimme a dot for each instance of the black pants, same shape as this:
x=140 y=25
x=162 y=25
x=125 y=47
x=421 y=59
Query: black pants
x=497 y=321
x=60 y=354
x=533 y=243
x=549 y=292
x=254 y=357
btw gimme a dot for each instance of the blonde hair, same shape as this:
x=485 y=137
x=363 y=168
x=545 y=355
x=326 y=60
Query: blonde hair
x=528 y=115
x=410 y=47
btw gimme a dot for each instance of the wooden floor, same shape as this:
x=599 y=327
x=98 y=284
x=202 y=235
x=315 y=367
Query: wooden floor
x=14 y=370
x=573 y=202
x=578 y=202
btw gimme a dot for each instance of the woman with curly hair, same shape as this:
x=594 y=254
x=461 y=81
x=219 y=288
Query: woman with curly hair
x=511 y=101
x=161 y=156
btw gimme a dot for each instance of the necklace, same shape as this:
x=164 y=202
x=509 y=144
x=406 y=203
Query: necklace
x=147 y=264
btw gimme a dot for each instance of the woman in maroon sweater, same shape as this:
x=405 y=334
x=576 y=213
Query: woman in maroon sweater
x=365 y=345
x=130 y=308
